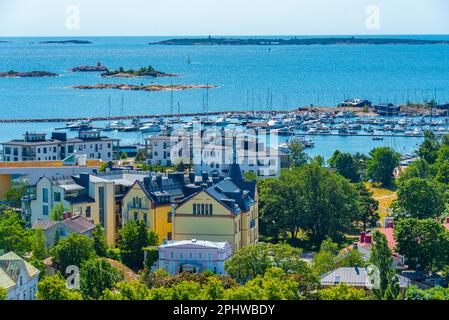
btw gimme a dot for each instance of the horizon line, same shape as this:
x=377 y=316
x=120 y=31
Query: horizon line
x=229 y=35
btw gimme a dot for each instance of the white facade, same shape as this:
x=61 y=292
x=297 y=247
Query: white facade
x=36 y=148
x=214 y=156
x=194 y=256
x=21 y=280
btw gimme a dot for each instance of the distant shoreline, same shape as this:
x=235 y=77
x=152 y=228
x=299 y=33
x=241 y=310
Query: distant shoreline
x=295 y=41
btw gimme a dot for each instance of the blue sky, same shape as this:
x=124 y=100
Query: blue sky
x=221 y=17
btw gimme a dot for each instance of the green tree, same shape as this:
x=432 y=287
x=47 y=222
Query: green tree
x=13 y=197
x=297 y=153
x=419 y=198
x=429 y=148
x=123 y=156
x=97 y=275
x=368 y=206
x=132 y=239
x=309 y=198
x=152 y=255
x=346 y=165
x=275 y=284
x=38 y=246
x=280 y=205
x=57 y=212
x=100 y=246
x=328 y=203
x=55 y=288
x=385 y=277
x=436 y=293
x=423 y=242
x=325 y=259
x=133 y=290
x=73 y=250
x=250 y=176
x=141 y=155
x=3 y=294
x=13 y=234
x=328 y=258
x=380 y=167
x=342 y=292
x=251 y=261
x=417 y=169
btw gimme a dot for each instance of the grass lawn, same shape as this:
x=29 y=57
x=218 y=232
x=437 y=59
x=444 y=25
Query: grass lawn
x=385 y=196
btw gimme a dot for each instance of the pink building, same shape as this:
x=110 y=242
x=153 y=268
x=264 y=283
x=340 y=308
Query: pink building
x=194 y=256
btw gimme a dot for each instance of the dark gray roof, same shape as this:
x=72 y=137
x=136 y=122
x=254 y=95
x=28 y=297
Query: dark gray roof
x=80 y=199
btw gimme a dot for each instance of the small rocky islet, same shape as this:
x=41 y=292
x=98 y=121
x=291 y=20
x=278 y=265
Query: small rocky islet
x=66 y=42
x=149 y=87
x=28 y=74
x=97 y=68
x=142 y=72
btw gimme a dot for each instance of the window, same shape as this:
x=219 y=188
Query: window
x=45 y=210
x=169 y=236
x=194 y=209
x=202 y=209
x=210 y=209
x=45 y=150
x=57 y=196
x=172 y=254
x=169 y=218
x=45 y=195
x=88 y=213
x=136 y=216
x=145 y=218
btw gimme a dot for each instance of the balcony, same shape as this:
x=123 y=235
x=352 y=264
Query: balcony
x=132 y=206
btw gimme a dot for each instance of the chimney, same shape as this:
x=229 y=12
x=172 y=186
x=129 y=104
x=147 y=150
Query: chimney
x=66 y=215
x=368 y=239
x=192 y=177
x=159 y=180
x=362 y=237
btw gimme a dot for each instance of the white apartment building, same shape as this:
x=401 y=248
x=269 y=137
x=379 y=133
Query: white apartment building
x=216 y=155
x=35 y=147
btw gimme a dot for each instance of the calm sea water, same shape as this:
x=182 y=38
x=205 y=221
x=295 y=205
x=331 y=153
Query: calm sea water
x=294 y=76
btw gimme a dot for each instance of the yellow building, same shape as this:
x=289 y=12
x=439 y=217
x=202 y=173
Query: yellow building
x=137 y=204
x=177 y=207
x=227 y=210
x=151 y=201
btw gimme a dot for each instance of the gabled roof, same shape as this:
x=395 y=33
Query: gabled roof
x=79 y=224
x=44 y=224
x=10 y=267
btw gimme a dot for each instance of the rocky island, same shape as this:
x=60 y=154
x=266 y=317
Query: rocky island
x=30 y=74
x=295 y=41
x=142 y=72
x=66 y=42
x=149 y=87
x=97 y=68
